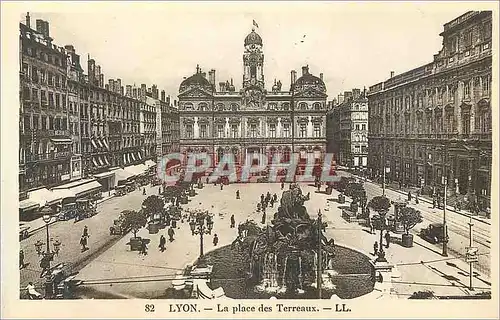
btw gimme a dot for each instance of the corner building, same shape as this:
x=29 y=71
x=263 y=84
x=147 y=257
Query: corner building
x=435 y=120
x=253 y=120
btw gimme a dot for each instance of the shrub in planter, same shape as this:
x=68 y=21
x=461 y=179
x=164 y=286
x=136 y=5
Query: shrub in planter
x=409 y=217
x=354 y=207
x=135 y=243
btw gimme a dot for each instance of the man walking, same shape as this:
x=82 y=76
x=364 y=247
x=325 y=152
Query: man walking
x=21 y=259
x=237 y=194
x=171 y=233
x=163 y=241
x=375 y=248
x=387 y=238
x=83 y=243
x=216 y=240
x=232 y=221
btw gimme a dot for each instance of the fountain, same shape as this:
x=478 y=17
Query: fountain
x=284 y=255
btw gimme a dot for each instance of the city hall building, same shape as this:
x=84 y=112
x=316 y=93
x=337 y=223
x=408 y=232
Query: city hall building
x=252 y=120
x=435 y=121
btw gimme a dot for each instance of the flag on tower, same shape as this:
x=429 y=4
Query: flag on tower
x=255 y=24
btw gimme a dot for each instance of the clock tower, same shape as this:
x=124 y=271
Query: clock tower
x=253 y=70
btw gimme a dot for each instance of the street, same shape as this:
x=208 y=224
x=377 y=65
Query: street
x=118 y=272
x=69 y=233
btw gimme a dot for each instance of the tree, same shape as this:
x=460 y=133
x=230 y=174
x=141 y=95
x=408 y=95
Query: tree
x=381 y=204
x=410 y=217
x=153 y=204
x=135 y=220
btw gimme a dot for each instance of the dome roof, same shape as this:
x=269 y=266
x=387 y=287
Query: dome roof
x=196 y=80
x=309 y=80
x=253 y=38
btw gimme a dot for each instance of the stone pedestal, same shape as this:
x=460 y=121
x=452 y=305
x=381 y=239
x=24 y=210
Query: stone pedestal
x=383 y=272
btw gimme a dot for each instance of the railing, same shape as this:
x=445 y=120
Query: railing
x=48 y=156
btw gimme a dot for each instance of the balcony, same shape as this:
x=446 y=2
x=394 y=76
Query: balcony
x=52 y=133
x=62 y=155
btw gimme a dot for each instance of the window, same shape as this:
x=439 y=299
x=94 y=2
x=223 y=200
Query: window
x=467 y=89
x=34 y=94
x=34 y=74
x=43 y=95
x=26 y=93
x=302 y=130
x=203 y=131
x=468 y=38
x=50 y=78
x=253 y=71
x=234 y=131
x=286 y=106
x=35 y=122
x=466 y=123
x=51 y=99
x=286 y=130
x=486 y=85
x=43 y=76
x=57 y=81
x=203 y=107
x=303 y=106
x=357 y=127
x=64 y=101
x=189 y=131
x=253 y=131
x=57 y=100
x=363 y=127
x=317 y=106
x=317 y=130
x=272 y=130
x=220 y=131
x=44 y=123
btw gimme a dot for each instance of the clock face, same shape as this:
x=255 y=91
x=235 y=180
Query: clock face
x=253 y=46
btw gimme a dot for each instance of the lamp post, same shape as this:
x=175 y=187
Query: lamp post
x=201 y=225
x=46 y=218
x=445 y=233
x=320 y=261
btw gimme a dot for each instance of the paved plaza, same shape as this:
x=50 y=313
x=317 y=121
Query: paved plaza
x=420 y=268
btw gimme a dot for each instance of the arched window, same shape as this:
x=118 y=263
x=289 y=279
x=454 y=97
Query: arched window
x=220 y=154
x=317 y=106
x=234 y=107
x=188 y=106
x=220 y=107
x=203 y=107
x=302 y=106
x=286 y=155
x=285 y=106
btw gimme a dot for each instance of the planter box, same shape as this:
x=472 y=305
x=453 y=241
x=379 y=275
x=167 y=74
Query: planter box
x=341 y=198
x=407 y=240
x=135 y=244
x=153 y=228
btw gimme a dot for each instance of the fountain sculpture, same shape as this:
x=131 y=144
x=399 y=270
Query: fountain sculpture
x=284 y=255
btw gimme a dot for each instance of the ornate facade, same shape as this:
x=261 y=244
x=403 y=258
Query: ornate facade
x=347 y=124
x=435 y=121
x=253 y=120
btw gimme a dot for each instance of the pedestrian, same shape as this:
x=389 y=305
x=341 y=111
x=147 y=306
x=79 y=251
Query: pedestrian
x=232 y=221
x=259 y=206
x=21 y=259
x=387 y=239
x=370 y=224
x=416 y=197
x=143 y=191
x=144 y=247
x=271 y=202
x=159 y=190
x=409 y=196
x=240 y=230
x=32 y=293
x=163 y=241
x=86 y=232
x=221 y=186
x=171 y=234
x=375 y=248
x=282 y=185
x=262 y=198
x=216 y=239
x=83 y=243
x=433 y=203
x=237 y=194
x=263 y=217
x=45 y=263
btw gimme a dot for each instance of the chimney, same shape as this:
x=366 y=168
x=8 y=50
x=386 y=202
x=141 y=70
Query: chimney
x=356 y=93
x=111 y=85
x=97 y=71
x=293 y=77
x=211 y=77
x=121 y=90
x=392 y=74
x=321 y=76
x=47 y=33
x=128 y=90
x=175 y=103
x=28 y=20
x=39 y=25
x=143 y=91
x=118 y=85
x=70 y=48
x=222 y=86
x=163 y=95
x=106 y=86
x=91 y=70
x=340 y=98
x=101 y=80
x=305 y=70
x=154 y=91
x=134 y=93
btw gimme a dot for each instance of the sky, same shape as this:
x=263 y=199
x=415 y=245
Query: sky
x=354 y=45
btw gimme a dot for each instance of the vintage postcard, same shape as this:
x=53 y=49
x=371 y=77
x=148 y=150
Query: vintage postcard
x=249 y=160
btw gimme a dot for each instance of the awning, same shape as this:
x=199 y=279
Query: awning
x=100 y=161
x=100 y=143
x=43 y=197
x=121 y=174
x=106 y=159
x=150 y=163
x=93 y=143
x=94 y=161
x=86 y=188
x=105 y=143
x=124 y=159
x=104 y=175
x=133 y=170
x=133 y=157
x=139 y=155
x=128 y=158
x=27 y=204
x=61 y=141
x=142 y=168
x=63 y=193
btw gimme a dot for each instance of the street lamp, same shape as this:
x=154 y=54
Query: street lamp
x=445 y=233
x=46 y=218
x=202 y=224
